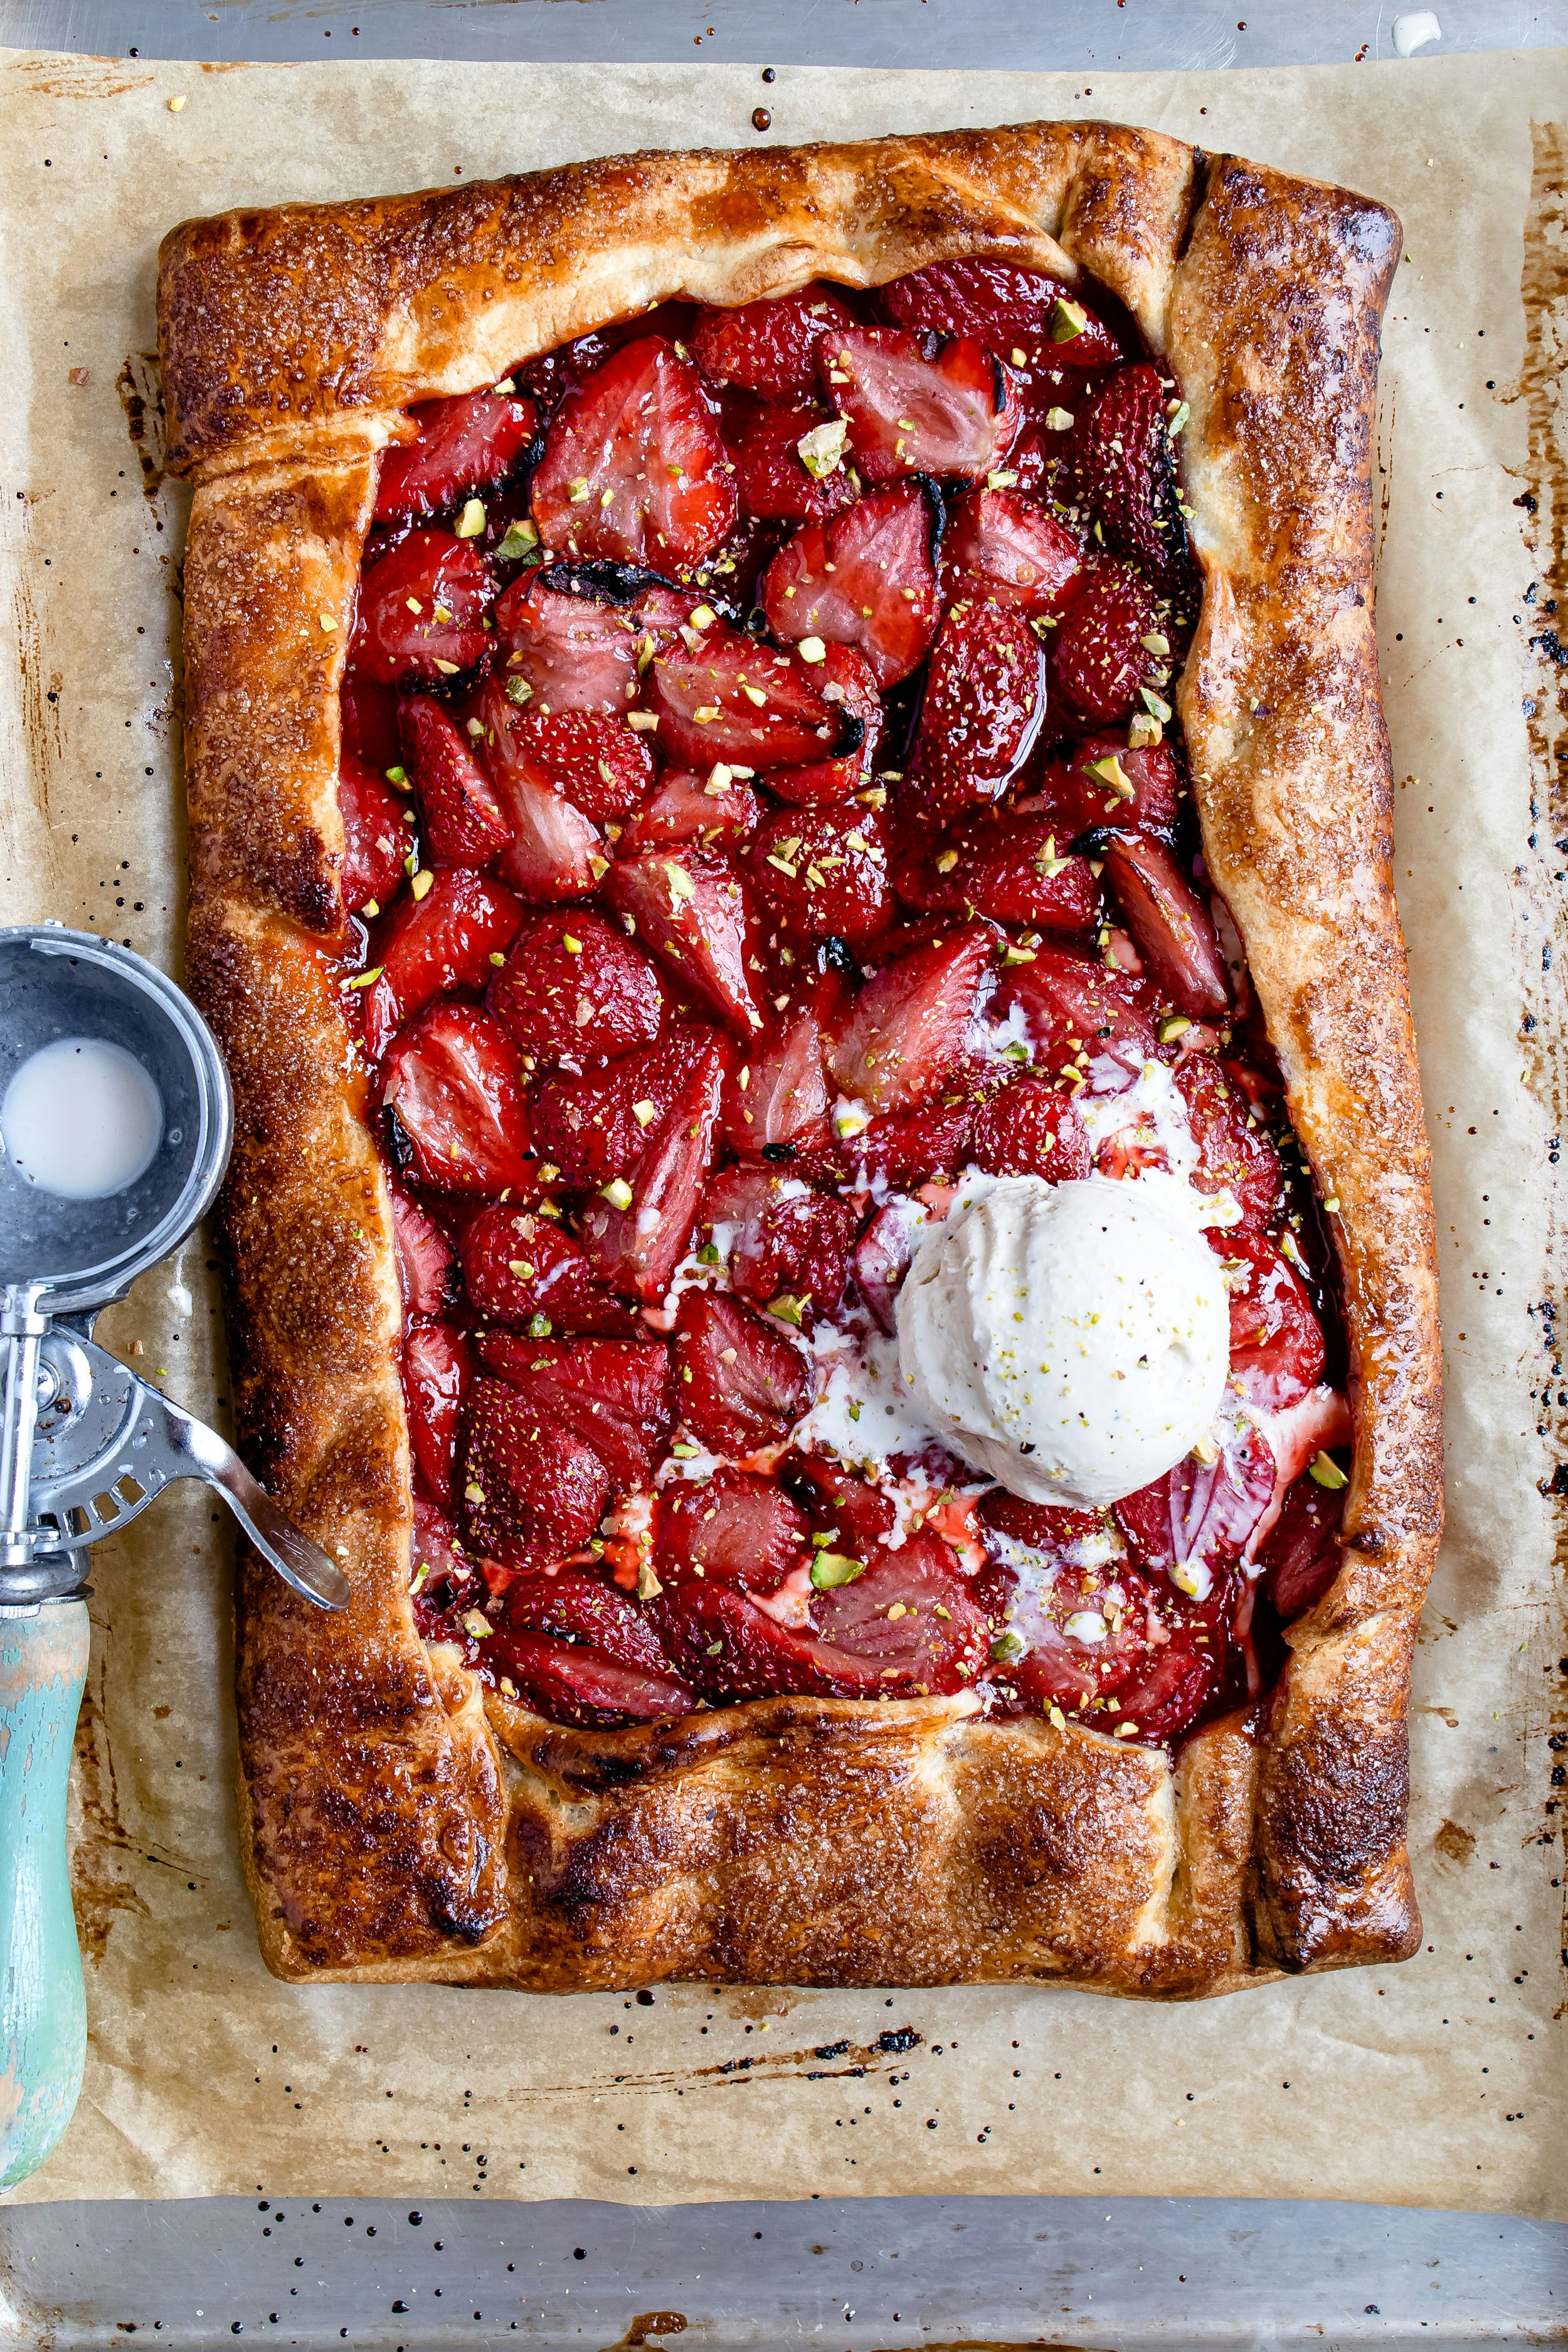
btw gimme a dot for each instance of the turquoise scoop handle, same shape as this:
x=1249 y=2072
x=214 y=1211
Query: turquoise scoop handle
x=43 y=2010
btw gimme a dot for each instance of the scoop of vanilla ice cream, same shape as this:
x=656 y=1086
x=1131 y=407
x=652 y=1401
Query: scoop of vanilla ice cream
x=1070 y=1340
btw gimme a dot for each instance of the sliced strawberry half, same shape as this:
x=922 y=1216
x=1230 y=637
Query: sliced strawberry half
x=855 y=1516
x=469 y=443
x=866 y=578
x=1007 y=548
x=1066 y=1638
x=523 y=1268
x=905 y=1032
x=598 y=761
x=464 y=825
x=1276 y=1341
x=1078 y=1016
x=687 y=906
x=437 y=1370
x=730 y=1649
x=911 y=1620
x=446 y=940
x=634 y=470
x=1011 y=869
x=1201 y=1514
x=739 y=1383
x=883 y=1256
x=557 y=853
x=1031 y=1128
x=776 y=1101
x=740 y=703
x=983 y=704
x=595 y=1124
x=459 y=1116
x=426 y=1262
x=1098 y=658
x=848 y=679
x=736 y=1527
x=1097 y=780
x=368 y=715
x=570 y=1681
x=1025 y=317
x=377 y=839
x=771 y=477
x=444 y=1576
x=823 y=872
x=1169 y=921
x=686 y=807
x=574 y=1605
x=636 y=1247
x=529 y=1488
x=1235 y=1152
x=793 y=1257
x=1126 y=472
x=770 y=347
x=904 y=1148
x=613 y=1393
x=949 y=415
x=1302 y=1552
x=575 y=985
x=566 y=652
x=422 y=608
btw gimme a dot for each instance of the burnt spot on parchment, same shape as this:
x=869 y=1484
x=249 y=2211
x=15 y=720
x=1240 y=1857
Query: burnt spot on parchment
x=1542 y=504
x=141 y=389
x=102 y=1850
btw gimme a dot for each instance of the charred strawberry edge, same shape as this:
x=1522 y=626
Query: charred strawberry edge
x=1140 y=569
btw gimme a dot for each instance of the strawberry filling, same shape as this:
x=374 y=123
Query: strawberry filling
x=762 y=815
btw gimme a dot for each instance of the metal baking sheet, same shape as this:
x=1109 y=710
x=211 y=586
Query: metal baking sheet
x=873 y=2274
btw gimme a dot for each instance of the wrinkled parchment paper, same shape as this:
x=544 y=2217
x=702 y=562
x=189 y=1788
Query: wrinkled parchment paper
x=1431 y=2083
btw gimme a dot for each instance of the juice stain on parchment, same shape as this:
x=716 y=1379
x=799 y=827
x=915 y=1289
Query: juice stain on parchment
x=38 y=686
x=1543 y=508
x=102 y=1845
x=141 y=388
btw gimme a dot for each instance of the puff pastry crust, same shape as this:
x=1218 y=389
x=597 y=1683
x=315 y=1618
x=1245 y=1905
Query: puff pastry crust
x=397 y=1821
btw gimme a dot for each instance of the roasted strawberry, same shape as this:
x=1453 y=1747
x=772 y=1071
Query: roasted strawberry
x=1302 y=1552
x=565 y=652
x=792 y=1258
x=523 y=1268
x=1200 y=1514
x=776 y=1101
x=1235 y=1153
x=377 y=839
x=983 y=704
x=1100 y=654
x=904 y=1148
x=1170 y=922
x=866 y=578
x=1176 y=1683
x=469 y=443
x=909 y=415
x=774 y=481
x=613 y=1393
x=730 y=1648
x=739 y=1383
x=1276 y=1341
x=734 y=701
x=687 y=906
x=1006 y=548
x=638 y=1241
x=426 y=1262
x=1013 y=869
x=769 y=346
x=368 y=716
x=555 y=854
x=883 y=1256
x=1127 y=475
x=1022 y=315
x=443 y=1575
x=422 y=607
x=855 y=1516
x=437 y=1370
x=1031 y=1128
x=848 y=679
x=459 y=1114
x=823 y=872
x=1045 y=1526
x=530 y=1488
x=464 y=823
x=596 y=1124
x=911 y=1618
x=634 y=470
x=570 y=1681
x=597 y=760
x=1067 y=1637
x=1097 y=780
x=575 y=1605
x=905 y=1032
x=687 y=808
x=447 y=939
x=574 y=986
x=1078 y=1016
x=735 y=1526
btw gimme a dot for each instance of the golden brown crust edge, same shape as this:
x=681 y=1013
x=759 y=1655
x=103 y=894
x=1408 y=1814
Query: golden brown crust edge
x=391 y=1829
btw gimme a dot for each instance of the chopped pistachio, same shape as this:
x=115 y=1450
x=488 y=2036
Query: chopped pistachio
x=648 y=1585
x=1007 y=1649
x=1111 y=772
x=422 y=883
x=1059 y=420
x=1327 y=1472
x=447 y=668
x=831 y=1568
x=1068 y=319
x=363 y=979
x=1170 y=1026
x=822 y=449
x=786 y=1309
x=1207 y=1451
x=617 y=1191
x=471 y=522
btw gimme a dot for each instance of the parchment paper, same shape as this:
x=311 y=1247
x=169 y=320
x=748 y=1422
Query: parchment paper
x=1433 y=2084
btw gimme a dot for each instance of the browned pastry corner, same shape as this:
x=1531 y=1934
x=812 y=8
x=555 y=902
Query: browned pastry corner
x=397 y=1821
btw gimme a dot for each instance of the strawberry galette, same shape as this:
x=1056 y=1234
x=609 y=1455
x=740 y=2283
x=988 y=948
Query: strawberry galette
x=789 y=849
